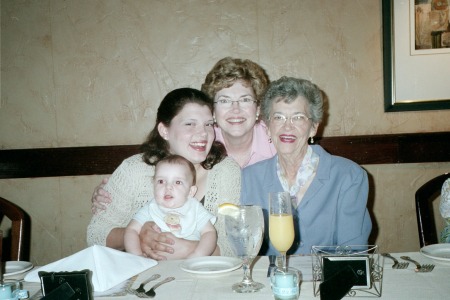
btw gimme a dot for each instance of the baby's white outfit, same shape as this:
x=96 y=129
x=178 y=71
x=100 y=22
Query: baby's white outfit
x=191 y=218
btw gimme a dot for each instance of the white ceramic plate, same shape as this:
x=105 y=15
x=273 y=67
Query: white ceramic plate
x=17 y=267
x=437 y=252
x=210 y=264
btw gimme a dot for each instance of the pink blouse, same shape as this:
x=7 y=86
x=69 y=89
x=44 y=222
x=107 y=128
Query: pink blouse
x=261 y=147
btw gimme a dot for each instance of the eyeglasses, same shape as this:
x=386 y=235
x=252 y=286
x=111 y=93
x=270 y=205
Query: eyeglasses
x=227 y=103
x=296 y=120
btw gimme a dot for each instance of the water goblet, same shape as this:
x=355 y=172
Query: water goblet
x=281 y=223
x=245 y=231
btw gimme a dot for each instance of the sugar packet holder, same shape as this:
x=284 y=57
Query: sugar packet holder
x=357 y=267
x=67 y=285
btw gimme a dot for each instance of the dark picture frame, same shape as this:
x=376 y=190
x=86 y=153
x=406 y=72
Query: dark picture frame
x=391 y=103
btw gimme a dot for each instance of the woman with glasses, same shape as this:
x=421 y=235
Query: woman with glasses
x=329 y=193
x=236 y=86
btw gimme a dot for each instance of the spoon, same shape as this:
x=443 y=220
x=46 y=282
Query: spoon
x=141 y=289
x=151 y=292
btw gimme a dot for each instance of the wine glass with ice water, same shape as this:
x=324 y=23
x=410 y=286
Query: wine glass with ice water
x=245 y=230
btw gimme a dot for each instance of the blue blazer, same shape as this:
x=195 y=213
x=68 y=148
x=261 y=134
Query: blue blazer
x=333 y=210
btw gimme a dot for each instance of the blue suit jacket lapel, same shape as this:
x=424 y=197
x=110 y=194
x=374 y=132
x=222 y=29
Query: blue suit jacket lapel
x=322 y=175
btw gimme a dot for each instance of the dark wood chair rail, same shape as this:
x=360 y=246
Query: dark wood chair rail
x=363 y=149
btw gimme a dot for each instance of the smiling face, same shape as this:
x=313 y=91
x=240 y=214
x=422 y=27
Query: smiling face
x=190 y=133
x=289 y=139
x=238 y=120
x=173 y=184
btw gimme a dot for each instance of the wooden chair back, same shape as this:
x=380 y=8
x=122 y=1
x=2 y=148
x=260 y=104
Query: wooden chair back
x=424 y=209
x=17 y=245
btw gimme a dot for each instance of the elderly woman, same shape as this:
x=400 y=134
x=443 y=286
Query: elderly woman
x=329 y=192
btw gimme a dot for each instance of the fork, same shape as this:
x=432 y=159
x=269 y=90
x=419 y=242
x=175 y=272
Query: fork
x=141 y=289
x=396 y=265
x=419 y=267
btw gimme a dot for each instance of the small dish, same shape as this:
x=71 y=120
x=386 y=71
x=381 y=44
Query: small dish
x=438 y=252
x=210 y=264
x=17 y=267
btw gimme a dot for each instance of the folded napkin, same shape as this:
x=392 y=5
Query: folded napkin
x=109 y=267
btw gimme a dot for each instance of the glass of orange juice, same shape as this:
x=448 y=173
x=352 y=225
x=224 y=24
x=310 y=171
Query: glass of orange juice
x=281 y=223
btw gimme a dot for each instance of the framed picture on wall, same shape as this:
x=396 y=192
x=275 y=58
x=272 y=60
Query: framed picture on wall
x=416 y=55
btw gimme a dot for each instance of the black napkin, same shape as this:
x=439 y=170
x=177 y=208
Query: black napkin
x=338 y=285
x=64 y=291
x=74 y=285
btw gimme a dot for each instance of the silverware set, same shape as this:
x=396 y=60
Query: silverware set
x=140 y=291
x=403 y=265
x=419 y=267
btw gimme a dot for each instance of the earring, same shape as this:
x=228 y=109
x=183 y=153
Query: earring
x=270 y=140
x=214 y=120
x=312 y=140
x=257 y=116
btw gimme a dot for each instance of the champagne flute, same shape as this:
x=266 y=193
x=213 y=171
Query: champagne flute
x=245 y=231
x=281 y=223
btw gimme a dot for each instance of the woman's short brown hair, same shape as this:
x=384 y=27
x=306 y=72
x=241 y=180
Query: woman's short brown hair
x=229 y=70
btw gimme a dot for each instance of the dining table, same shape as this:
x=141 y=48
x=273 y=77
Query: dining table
x=395 y=283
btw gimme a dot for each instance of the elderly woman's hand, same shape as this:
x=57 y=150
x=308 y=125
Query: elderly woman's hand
x=160 y=246
x=100 y=197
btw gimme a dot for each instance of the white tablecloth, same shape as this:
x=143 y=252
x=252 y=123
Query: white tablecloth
x=397 y=284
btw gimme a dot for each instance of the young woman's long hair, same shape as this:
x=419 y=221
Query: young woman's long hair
x=156 y=148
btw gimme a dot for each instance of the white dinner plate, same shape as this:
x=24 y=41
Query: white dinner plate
x=17 y=267
x=210 y=264
x=437 y=252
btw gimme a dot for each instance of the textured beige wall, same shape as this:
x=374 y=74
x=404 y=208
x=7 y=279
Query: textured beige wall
x=84 y=73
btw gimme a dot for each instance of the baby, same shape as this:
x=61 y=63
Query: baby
x=174 y=209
